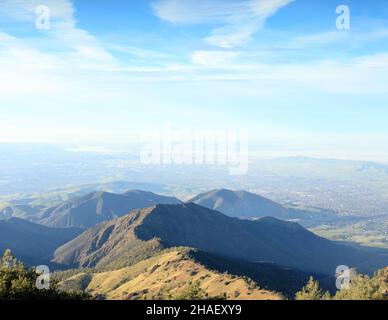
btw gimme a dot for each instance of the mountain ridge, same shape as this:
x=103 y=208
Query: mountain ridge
x=96 y=207
x=166 y=274
x=265 y=240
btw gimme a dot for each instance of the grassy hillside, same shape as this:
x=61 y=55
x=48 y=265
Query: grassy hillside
x=163 y=275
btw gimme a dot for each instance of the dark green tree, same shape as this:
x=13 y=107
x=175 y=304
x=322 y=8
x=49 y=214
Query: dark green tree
x=192 y=292
x=312 y=291
x=365 y=288
x=361 y=287
x=20 y=283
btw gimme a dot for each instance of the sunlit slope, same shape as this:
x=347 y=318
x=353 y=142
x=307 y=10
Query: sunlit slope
x=163 y=275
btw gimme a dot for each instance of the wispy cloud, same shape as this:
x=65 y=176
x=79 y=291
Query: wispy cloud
x=76 y=42
x=105 y=89
x=24 y=10
x=47 y=63
x=213 y=58
x=236 y=20
x=350 y=38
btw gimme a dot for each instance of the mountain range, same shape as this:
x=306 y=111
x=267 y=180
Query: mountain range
x=267 y=240
x=88 y=210
x=136 y=244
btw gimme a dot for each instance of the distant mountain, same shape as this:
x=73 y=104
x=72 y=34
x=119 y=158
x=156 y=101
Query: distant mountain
x=240 y=204
x=267 y=240
x=33 y=243
x=93 y=208
x=243 y=204
x=22 y=211
x=57 y=196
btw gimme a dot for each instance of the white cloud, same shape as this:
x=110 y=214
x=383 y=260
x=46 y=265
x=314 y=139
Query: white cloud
x=211 y=58
x=77 y=76
x=349 y=38
x=25 y=10
x=358 y=75
x=5 y=37
x=238 y=20
x=63 y=30
x=198 y=12
x=28 y=67
x=25 y=69
x=233 y=35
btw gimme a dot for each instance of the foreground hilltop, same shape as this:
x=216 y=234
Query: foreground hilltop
x=164 y=275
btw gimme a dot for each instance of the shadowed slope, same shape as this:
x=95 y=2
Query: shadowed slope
x=33 y=243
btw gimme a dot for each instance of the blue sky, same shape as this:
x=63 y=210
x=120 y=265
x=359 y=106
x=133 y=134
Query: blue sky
x=106 y=70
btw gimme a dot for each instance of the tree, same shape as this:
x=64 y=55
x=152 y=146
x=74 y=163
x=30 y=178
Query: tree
x=365 y=288
x=19 y=283
x=194 y=292
x=361 y=287
x=312 y=291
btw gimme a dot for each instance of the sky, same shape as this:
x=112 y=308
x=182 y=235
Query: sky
x=103 y=71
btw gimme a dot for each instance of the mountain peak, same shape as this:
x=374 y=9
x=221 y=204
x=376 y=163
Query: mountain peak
x=240 y=204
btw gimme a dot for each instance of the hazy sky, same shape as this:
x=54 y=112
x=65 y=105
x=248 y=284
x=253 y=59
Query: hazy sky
x=106 y=70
